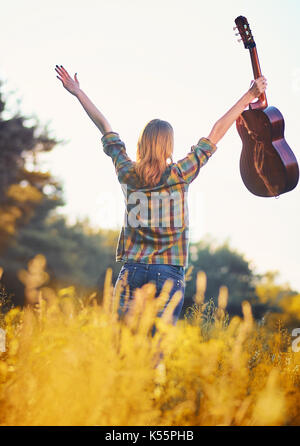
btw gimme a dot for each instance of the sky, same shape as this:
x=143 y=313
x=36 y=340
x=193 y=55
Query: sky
x=168 y=59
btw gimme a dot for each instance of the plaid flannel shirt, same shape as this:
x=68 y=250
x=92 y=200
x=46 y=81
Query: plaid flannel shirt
x=156 y=223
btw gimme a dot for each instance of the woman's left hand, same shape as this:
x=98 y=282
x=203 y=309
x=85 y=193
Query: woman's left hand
x=258 y=87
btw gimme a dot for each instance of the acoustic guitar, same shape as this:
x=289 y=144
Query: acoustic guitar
x=268 y=166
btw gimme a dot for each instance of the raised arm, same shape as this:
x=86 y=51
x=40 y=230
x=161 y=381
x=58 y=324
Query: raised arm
x=224 y=123
x=72 y=86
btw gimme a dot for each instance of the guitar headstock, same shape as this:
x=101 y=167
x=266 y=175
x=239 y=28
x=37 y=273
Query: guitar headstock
x=245 y=32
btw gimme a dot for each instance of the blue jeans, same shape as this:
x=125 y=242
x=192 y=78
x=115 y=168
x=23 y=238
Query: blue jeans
x=141 y=273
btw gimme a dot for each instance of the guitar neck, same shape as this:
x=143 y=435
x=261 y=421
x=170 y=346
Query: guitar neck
x=255 y=62
x=262 y=100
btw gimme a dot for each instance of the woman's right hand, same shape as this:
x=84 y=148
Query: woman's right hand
x=258 y=87
x=72 y=85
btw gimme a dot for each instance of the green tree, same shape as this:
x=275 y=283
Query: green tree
x=76 y=255
x=22 y=185
x=223 y=266
x=281 y=302
x=29 y=224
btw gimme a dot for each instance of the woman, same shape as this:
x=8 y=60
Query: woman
x=153 y=243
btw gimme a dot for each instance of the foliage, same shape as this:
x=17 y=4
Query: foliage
x=75 y=254
x=73 y=361
x=281 y=303
x=22 y=185
x=223 y=266
x=29 y=223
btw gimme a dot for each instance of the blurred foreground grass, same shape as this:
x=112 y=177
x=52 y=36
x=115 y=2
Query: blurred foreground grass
x=72 y=361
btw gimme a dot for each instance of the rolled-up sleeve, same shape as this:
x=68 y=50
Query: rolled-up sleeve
x=115 y=148
x=188 y=168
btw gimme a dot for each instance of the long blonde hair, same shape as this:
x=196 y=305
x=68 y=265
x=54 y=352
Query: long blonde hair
x=155 y=146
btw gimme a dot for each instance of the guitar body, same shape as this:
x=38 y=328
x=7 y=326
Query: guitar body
x=268 y=166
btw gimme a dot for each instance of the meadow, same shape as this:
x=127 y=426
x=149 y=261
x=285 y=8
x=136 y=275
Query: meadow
x=71 y=360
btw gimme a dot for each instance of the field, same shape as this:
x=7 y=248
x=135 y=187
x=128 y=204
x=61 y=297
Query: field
x=73 y=361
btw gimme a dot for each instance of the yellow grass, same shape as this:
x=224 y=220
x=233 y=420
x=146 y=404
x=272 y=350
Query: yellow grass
x=72 y=361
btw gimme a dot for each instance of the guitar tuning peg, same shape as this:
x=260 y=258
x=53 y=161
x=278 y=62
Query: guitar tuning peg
x=239 y=40
x=234 y=28
x=237 y=34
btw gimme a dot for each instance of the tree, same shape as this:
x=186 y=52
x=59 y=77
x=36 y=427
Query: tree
x=223 y=266
x=22 y=185
x=282 y=304
x=76 y=255
x=29 y=225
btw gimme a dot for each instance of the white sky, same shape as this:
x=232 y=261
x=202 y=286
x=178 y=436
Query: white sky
x=167 y=59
